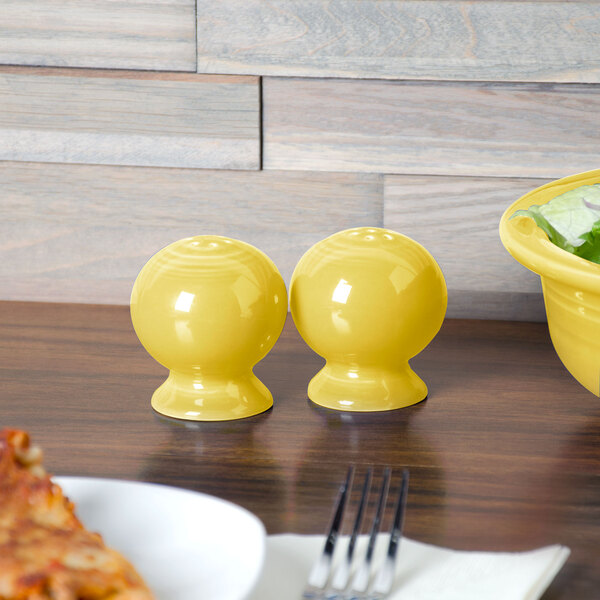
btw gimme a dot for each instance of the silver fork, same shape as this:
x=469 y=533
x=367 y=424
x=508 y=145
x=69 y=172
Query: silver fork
x=343 y=584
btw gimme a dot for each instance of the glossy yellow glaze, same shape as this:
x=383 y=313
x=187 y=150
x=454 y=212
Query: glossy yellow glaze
x=571 y=285
x=367 y=300
x=209 y=308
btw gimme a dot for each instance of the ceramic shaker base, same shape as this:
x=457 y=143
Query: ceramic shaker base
x=196 y=398
x=341 y=387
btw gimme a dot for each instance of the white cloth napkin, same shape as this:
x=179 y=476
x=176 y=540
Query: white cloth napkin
x=423 y=572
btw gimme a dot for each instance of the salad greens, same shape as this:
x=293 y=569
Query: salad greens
x=571 y=221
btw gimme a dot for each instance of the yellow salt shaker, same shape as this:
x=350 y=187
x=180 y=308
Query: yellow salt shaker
x=209 y=308
x=367 y=299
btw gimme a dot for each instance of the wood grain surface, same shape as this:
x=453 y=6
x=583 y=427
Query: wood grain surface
x=129 y=118
x=396 y=39
x=503 y=454
x=483 y=129
x=83 y=232
x=108 y=34
x=456 y=219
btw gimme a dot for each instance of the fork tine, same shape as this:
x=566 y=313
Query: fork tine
x=342 y=575
x=360 y=583
x=322 y=568
x=360 y=512
x=338 y=589
x=385 y=484
x=385 y=576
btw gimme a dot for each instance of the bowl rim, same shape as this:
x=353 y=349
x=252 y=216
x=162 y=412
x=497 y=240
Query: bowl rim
x=530 y=246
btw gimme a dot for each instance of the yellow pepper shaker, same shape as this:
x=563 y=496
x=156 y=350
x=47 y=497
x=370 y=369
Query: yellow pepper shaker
x=367 y=300
x=209 y=308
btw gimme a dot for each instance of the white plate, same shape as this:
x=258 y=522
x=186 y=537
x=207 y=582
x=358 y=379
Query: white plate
x=186 y=545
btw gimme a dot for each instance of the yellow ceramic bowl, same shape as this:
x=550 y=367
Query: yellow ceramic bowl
x=571 y=285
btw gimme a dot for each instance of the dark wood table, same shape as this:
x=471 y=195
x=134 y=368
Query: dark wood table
x=504 y=454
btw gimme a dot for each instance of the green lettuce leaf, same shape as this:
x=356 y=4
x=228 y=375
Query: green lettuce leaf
x=571 y=221
x=590 y=249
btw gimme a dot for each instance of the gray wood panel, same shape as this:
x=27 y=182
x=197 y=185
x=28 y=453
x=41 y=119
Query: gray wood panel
x=123 y=34
x=456 y=219
x=483 y=129
x=129 y=118
x=398 y=39
x=80 y=233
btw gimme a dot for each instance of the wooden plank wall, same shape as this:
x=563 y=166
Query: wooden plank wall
x=158 y=35
x=127 y=124
x=397 y=39
x=472 y=129
x=82 y=232
x=129 y=118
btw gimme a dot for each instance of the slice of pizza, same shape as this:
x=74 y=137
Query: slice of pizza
x=45 y=551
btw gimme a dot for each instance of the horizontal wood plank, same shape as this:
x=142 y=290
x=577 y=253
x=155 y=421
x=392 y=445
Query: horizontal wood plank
x=129 y=118
x=475 y=129
x=456 y=219
x=398 y=39
x=117 y=34
x=81 y=233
